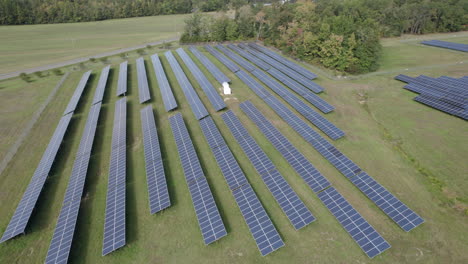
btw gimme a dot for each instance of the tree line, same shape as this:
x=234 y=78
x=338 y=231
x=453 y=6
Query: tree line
x=339 y=34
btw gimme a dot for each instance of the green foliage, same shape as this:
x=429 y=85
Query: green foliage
x=57 y=72
x=25 y=77
x=94 y=60
x=38 y=74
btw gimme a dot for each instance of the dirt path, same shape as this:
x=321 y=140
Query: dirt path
x=82 y=59
x=14 y=148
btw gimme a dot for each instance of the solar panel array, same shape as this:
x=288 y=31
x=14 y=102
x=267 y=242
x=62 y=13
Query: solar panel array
x=348 y=217
x=296 y=211
x=167 y=95
x=99 y=93
x=77 y=94
x=284 y=69
x=315 y=118
x=155 y=176
x=60 y=244
x=347 y=167
x=209 y=219
x=194 y=101
x=284 y=61
x=143 y=89
x=114 y=223
x=309 y=96
x=227 y=62
x=215 y=99
x=446 y=45
x=262 y=229
x=122 y=82
x=446 y=94
x=215 y=71
x=370 y=241
x=23 y=211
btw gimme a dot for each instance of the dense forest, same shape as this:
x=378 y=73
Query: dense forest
x=18 y=12
x=340 y=34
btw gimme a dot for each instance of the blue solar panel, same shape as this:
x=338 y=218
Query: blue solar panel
x=215 y=99
x=99 y=93
x=23 y=211
x=284 y=61
x=166 y=92
x=440 y=105
x=114 y=224
x=194 y=101
x=143 y=89
x=155 y=176
x=260 y=225
x=60 y=244
x=261 y=64
x=77 y=94
x=370 y=241
x=122 y=82
x=447 y=45
x=290 y=203
x=243 y=63
x=208 y=216
x=228 y=63
x=217 y=73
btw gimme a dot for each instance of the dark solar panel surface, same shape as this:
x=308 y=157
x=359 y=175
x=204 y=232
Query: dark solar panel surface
x=166 y=91
x=143 y=89
x=215 y=71
x=77 y=94
x=122 y=82
x=99 y=93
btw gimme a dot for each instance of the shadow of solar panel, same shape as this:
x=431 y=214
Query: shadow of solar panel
x=371 y=242
x=60 y=245
x=228 y=63
x=303 y=167
x=143 y=89
x=406 y=218
x=155 y=176
x=77 y=94
x=20 y=218
x=262 y=229
x=208 y=216
x=114 y=224
x=215 y=99
x=283 y=60
x=166 y=92
x=194 y=101
x=122 y=82
x=215 y=71
x=99 y=93
x=290 y=203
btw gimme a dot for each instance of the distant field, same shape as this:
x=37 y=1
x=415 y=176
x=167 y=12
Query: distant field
x=23 y=47
x=416 y=152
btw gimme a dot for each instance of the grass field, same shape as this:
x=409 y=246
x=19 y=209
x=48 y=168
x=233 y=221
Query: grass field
x=416 y=152
x=60 y=42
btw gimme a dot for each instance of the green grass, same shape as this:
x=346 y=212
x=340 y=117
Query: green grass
x=408 y=147
x=29 y=46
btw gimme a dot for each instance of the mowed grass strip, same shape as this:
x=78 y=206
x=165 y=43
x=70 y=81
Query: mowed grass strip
x=172 y=236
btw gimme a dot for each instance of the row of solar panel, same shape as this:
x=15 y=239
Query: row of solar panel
x=446 y=45
x=262 y=229
x=338 y=159
x=323 y=124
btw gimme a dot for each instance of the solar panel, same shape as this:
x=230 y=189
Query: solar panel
x=114 y=223
x=312 y=98
x=194 y=101
x=243 y=63
x=143 y=89
x=167 y=95
x=285 y=69
x=446 y=45
x=262 y=229
x=122 y=82
x=261 y=64
x=20 y=218
x=155 y=176
x=209 y=219
x=77 y=94
x=228 y=63
x=347 y=167
x=284 y=61
x=215 y=99
x=217 y=73
x=99 y=93
x=296 y=211
x=370 y=241
x=60 y=244
x=303 y=167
